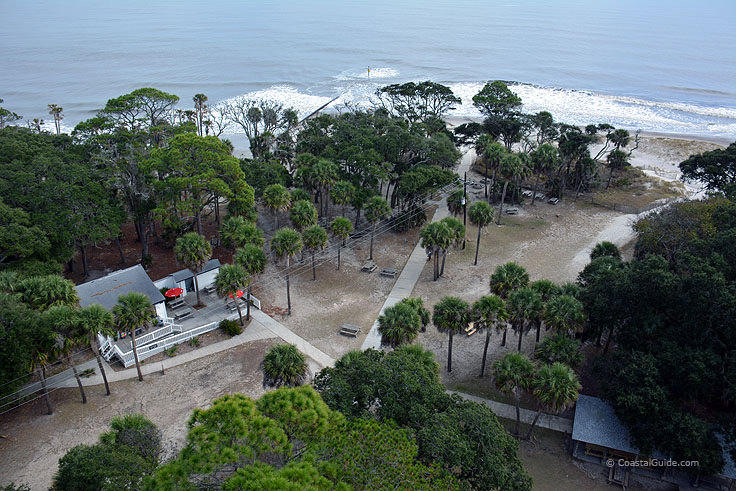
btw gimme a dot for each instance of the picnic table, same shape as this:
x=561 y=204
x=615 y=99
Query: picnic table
x=210 y=288
x=389 y=272
x=183 y=314
x=471 y=329
x=349 y=330
x=369 y=267
x=175 y=304
x=512 y=211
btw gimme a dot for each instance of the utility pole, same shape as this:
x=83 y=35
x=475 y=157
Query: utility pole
x=465 y=202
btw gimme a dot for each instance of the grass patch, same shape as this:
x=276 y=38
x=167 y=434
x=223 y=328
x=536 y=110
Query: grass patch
x=632 y=187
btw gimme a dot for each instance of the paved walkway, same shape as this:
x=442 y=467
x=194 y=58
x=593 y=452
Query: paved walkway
x=507 y=411
x=414 y=266
x=261 y=327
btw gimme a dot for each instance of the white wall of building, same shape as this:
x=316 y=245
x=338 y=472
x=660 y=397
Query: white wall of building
x=206 y=279
x=161 y=309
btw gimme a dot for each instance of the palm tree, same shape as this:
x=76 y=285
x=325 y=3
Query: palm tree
x=617 y=160
x=315 y=239
x=341 y=228
x=237 y=231
x=285 y=244
x=399 y=324
x=417 y=304
x=376 y=210
x=492 y=153
x=513 y=374
x=511 y=167
x=200 y=105
x=42 y=292
x=253 y=260
x=277 y=198
x=451 y=315
x=342 y=194
x=555 y=387
x=193 y=251
x=507 y=278
x=132 y=311
x=455 y=202
x=230 y=279
x=488 y=311
x=303 y=214
x=547 y=290
x=559 y=347
x=454 y=240
x=324 y=173
x=56 y=112
x=95 y=320
x=284 y=364
x=564 y=314
x=524 y=305
x=605 y=248
x=64 y=321
x=480 y=214
x=545 y=158
x=435 y=237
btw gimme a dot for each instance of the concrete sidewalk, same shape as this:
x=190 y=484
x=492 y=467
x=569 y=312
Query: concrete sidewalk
x=261 y=327
x=507 y=411
x=414 y=266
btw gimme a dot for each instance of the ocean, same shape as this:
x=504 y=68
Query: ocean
x=659 y=66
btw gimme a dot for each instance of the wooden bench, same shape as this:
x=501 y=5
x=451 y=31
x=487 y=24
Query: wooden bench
x=183 y=314
x=471 y=329
x=388 y=272
x=210 y=289
x=369 y=267
x=349 y=330
x=512 y=211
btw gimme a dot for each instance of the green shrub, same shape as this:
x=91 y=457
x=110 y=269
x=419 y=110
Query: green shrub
x=194 y=341
x=284 y=365
x=232 y=328
x=171 y=352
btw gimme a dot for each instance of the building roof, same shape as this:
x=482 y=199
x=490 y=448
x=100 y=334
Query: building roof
x=185 y=274
x=596 y=422
x=106 y=290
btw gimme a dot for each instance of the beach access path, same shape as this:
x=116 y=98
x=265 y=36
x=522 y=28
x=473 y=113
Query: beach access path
x=415 y=265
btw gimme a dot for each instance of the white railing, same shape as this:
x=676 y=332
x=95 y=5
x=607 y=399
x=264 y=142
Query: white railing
x=151 y=349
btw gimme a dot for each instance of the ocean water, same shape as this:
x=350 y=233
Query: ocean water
x=663 y=66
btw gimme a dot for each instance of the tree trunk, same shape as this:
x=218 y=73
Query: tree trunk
x=357 y=218
x=477 y=246
x=503 y=197
x=485 y=181
x=536 y=185
x=247 y=305
x=521 y=335
x=503 y=341
x=539 y=328
x=449 y=355
x=444 y=258
x=493 y=184
x=435 y=266
x=135 y=355
x=314 y=272
x=288 y=291
x=517 y=403
x=44 y=388
x=338 y=258
x=96 y=350
x=120 y=250
x=598 y=339
x=85 y=264
x=534 y=423
x=240 y=316
x=485 y=352
x=577 y=191
x=373 y=231
x=608 y=340
x=610 y=175
x=79 y=380
x=196 y=289
x=217 y=210
x=198 y=218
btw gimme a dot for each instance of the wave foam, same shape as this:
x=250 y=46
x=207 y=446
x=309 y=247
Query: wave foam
x=375 y=72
